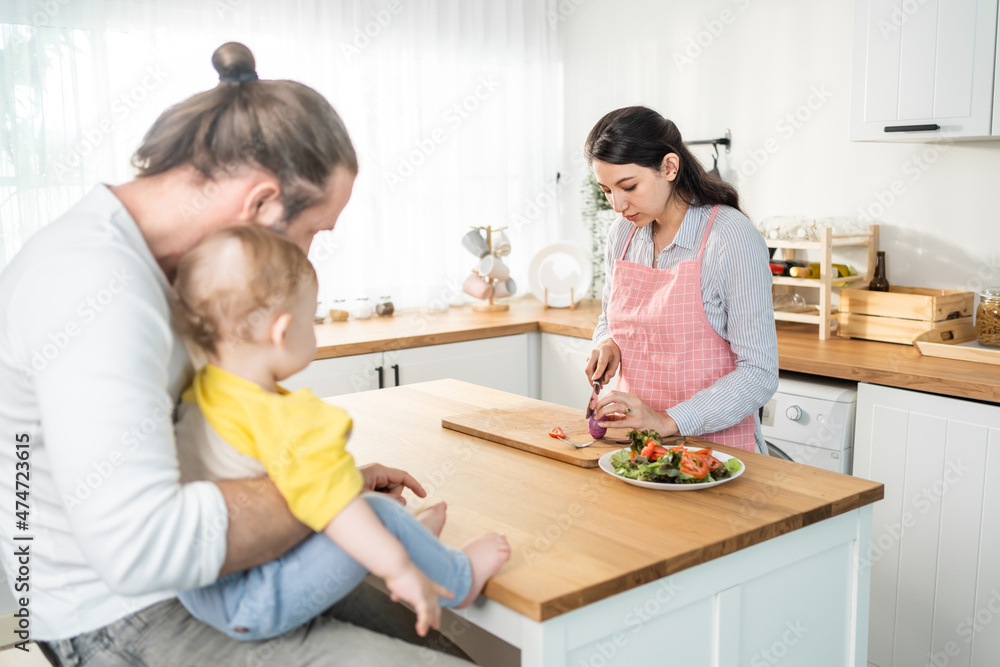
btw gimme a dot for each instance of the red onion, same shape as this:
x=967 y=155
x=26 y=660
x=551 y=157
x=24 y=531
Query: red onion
x=596 y=430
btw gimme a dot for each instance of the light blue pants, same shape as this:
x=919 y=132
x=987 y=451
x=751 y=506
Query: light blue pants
x=276 y=597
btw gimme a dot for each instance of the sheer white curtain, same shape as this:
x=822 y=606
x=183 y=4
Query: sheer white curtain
x=453 y=107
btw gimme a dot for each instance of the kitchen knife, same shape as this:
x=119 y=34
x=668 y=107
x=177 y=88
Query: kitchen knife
x=597 y=390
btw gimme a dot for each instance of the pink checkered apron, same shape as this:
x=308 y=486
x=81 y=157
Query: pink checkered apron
x=669 y=350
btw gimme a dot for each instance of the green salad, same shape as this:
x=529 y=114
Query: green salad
x=648 y=460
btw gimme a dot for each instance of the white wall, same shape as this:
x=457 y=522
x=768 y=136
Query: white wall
x=767 y=62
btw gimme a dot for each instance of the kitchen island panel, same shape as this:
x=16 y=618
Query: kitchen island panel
x=791 y=600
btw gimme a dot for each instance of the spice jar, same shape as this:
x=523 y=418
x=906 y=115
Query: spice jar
x=988 y=317
x=338 y=313
x=384 y=307
x=362 y=310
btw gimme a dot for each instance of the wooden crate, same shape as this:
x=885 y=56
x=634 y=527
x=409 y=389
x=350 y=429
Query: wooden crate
x=903 y=313
x=908 y=303
x=894 y=329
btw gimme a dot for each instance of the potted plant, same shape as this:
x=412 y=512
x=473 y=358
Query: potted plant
x=597 y=215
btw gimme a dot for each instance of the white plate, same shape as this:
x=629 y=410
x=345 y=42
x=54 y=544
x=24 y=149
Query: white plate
x=605 y=463
x=559 y=267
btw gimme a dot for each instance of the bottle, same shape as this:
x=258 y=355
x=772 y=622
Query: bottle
x=384 y=307
x=988 y=317
x=879 y=283
x=320 y=316
x=782 y=267
x=338 y=313
x=362 y=310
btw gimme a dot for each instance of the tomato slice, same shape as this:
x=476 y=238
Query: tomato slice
x=557 y=433
x=713 y=463
x=694 y=465
x=653 y=451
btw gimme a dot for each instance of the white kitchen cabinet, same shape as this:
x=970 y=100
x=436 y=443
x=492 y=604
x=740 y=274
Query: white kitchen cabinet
x=923 y=69
x=562 y=377
x=935 y=551
x=508 y=363
x=340 y=375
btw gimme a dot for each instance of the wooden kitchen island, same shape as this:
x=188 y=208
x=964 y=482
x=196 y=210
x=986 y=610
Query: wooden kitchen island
x=769 y=567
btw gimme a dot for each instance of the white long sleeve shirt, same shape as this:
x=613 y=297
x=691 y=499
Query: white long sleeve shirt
x=90 y=370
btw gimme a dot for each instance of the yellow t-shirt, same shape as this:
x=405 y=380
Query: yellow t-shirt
x=300 y=440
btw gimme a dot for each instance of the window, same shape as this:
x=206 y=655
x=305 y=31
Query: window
x=451 y=106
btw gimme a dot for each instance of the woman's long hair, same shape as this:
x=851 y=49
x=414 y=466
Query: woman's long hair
x=639 y=135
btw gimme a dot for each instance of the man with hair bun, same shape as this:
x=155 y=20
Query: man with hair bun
x=116 y=533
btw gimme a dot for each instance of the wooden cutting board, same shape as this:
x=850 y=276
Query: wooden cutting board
x=526 y=426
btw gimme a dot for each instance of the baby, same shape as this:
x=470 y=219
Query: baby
x=245 y=298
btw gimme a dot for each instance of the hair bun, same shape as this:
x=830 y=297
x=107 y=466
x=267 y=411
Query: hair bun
x=234 y=62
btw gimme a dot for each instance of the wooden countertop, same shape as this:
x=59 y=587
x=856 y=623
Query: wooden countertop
x=413 y=328
x=799 y=347
x=889 y=364
x=578 y=535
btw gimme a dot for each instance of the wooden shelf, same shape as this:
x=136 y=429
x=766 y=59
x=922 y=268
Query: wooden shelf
x=811 y=316
x=824 y=313
x=813 y=282
x=836 y=240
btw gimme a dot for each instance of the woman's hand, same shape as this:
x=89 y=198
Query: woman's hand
x=390 y=481
x=603 y=362
x=621 y=410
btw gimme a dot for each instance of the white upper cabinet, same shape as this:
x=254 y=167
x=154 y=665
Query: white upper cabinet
x=996 y=91
x=923 y=69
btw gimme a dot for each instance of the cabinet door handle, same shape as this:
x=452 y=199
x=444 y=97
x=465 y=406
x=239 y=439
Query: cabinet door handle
x=395 y=369
x=381 y=383
x=930 y=127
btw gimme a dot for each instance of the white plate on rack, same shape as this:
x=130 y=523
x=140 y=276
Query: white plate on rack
x=560 y=267
x=605 y=464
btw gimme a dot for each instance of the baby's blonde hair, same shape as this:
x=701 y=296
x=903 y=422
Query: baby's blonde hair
x=234 y=280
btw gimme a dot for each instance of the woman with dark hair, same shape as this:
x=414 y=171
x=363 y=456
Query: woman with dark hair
x=686 y=313
x=90 y=372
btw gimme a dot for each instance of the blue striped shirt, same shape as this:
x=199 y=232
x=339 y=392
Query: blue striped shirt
x=736 y=291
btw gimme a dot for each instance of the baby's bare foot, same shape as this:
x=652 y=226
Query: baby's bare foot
x=487 y=554
x=433 y=517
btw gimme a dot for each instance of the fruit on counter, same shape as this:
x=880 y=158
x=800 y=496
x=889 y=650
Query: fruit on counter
x=812 y=271
x=596 y=430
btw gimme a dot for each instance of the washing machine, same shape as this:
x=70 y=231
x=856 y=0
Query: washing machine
x=810 y=420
